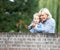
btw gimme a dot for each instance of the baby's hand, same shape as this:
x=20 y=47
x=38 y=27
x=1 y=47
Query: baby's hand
x=33 y=24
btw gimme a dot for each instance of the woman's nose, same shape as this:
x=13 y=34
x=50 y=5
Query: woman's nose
x=40 y=17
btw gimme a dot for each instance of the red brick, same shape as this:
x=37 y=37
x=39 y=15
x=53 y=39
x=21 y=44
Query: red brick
x=3 y=48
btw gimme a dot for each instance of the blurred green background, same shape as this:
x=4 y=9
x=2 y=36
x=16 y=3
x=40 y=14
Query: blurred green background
x=16 y=15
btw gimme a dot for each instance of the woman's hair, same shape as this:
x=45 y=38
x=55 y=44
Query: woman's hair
x=45 y=11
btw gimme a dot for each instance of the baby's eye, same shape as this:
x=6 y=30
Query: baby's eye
x=35 y=18
x=38 y=18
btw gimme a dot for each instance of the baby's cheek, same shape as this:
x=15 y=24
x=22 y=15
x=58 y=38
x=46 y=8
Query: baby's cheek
x=38 y=21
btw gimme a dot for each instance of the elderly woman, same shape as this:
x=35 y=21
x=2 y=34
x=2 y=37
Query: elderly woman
x=47 y=23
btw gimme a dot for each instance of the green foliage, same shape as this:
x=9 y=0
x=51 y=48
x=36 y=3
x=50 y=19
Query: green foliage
x=17 y=15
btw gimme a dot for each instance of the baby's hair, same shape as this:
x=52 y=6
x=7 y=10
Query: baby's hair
x=36 y=14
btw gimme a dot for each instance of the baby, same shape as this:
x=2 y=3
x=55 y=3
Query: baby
x=35 y=22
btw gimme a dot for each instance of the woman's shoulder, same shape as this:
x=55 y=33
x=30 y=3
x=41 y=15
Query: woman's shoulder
x=51 y=20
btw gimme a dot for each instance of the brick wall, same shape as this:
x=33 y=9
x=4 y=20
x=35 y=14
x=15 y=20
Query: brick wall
x=29 y=41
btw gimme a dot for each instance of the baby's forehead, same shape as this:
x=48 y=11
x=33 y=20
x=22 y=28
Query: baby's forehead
x=36 y=16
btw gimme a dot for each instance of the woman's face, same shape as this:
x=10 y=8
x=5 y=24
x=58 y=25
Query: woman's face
x=43 y=17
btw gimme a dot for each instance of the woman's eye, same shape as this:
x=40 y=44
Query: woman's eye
x=42 y=15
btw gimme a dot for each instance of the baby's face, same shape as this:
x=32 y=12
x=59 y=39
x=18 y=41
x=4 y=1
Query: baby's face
x=36 y=19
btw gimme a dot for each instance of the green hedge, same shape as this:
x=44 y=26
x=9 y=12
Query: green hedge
x=17 y=15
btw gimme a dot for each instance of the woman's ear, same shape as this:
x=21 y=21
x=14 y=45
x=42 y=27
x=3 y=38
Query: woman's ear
x=47 y=14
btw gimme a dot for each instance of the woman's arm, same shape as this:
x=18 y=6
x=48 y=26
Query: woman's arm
x=39 y=28
x=48 y=27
